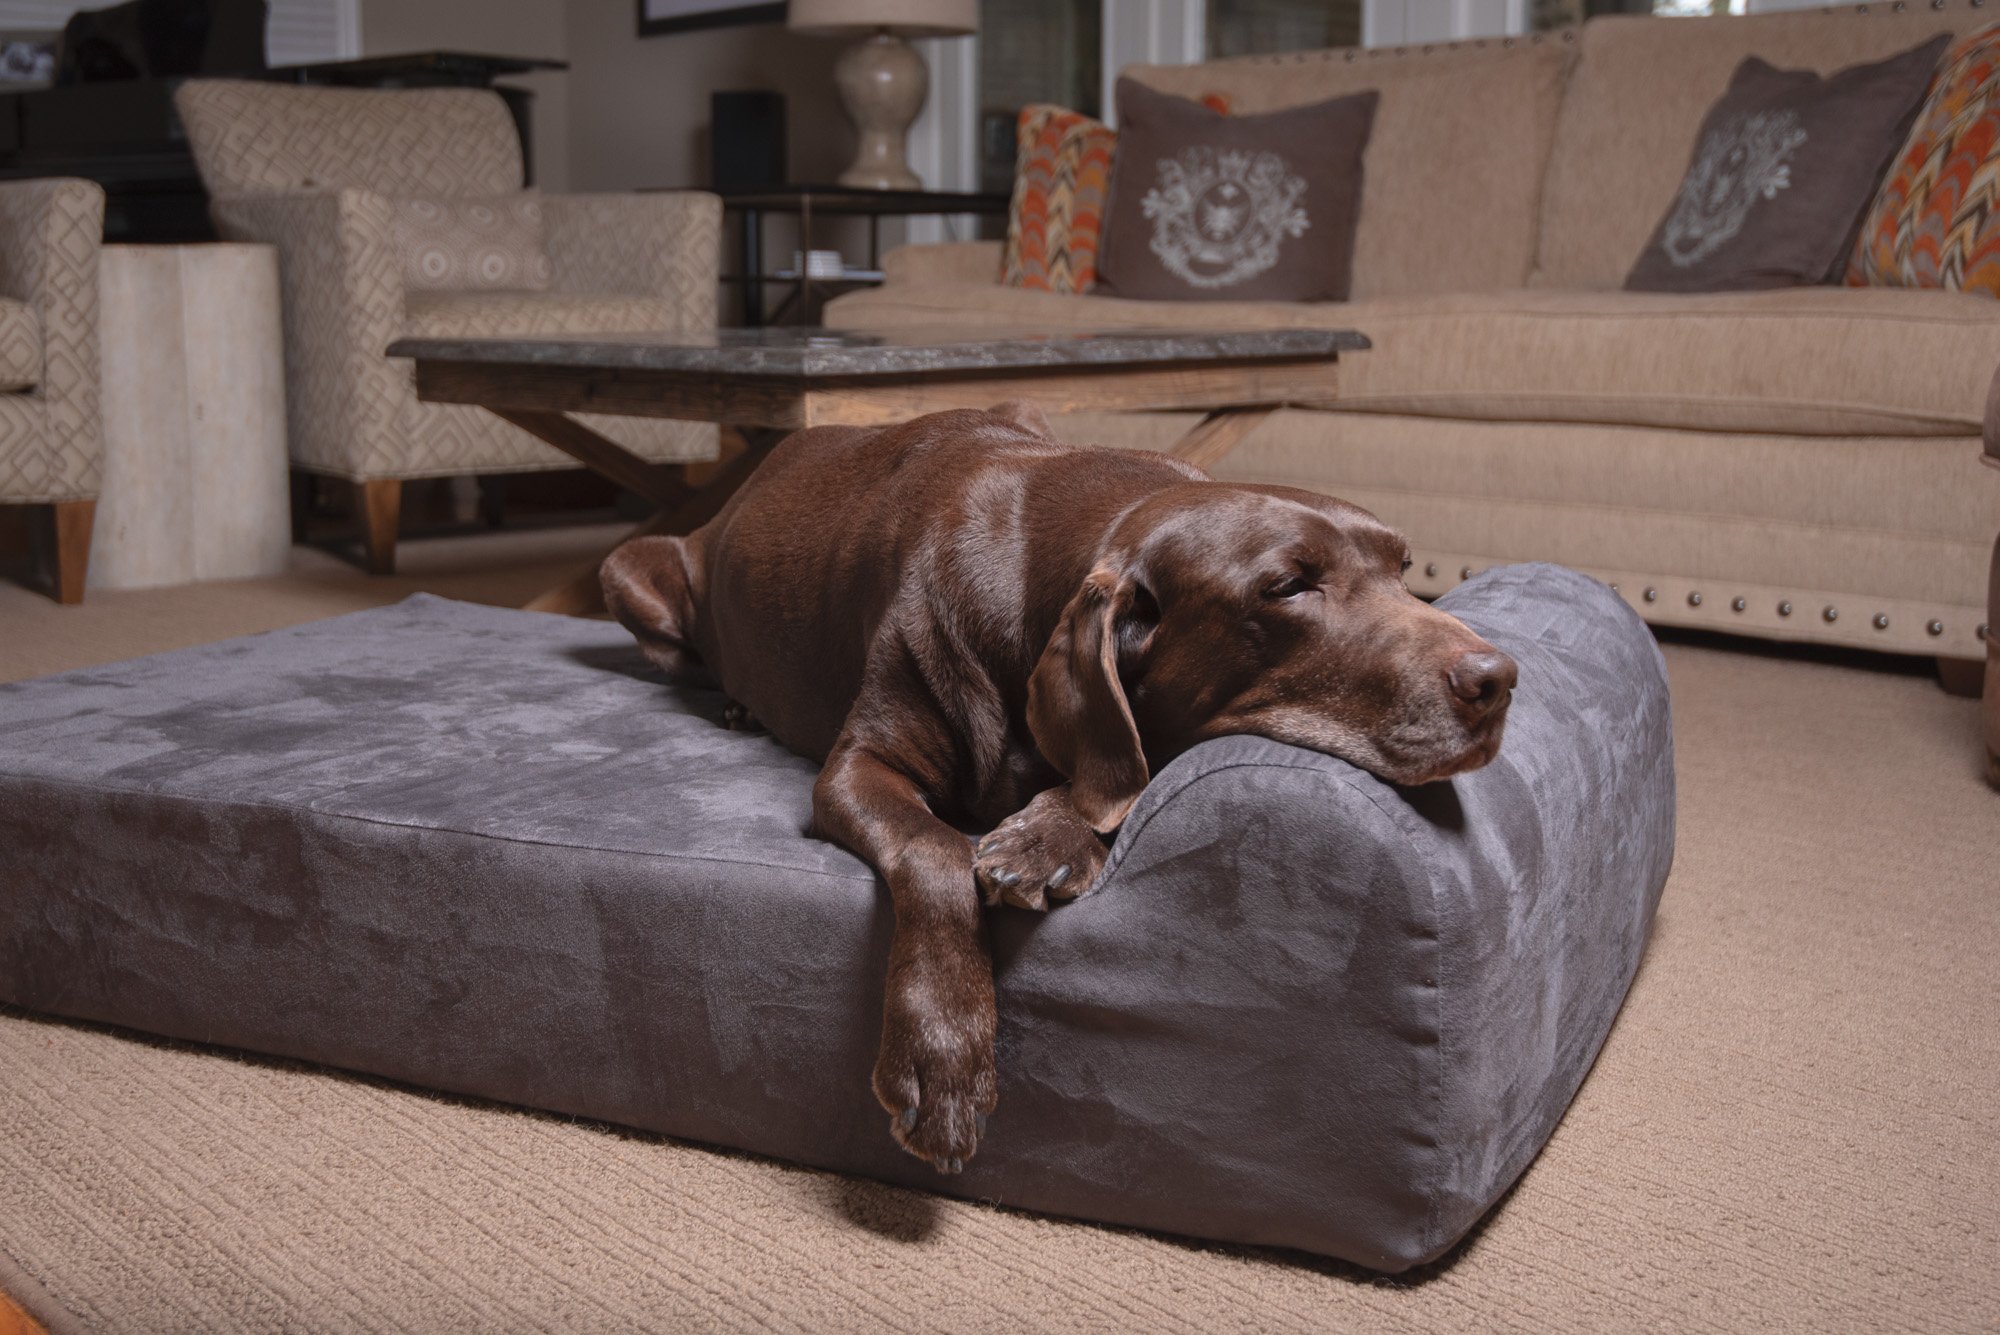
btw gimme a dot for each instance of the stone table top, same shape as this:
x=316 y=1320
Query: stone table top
x=807 y=353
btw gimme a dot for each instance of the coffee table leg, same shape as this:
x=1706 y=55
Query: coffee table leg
x=582 y=595
x=1220 y=432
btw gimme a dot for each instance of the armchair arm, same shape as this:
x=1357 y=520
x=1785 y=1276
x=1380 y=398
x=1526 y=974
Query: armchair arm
x=665 y=244
x=50 y=234
x=944 y=262
x=343 y=305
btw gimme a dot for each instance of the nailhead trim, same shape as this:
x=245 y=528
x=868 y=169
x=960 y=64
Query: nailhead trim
x=1830 y=613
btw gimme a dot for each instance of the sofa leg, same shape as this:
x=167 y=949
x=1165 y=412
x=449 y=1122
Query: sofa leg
x=72 y=524
x=381 y=506
x=1990 y=712
x=1962 y=677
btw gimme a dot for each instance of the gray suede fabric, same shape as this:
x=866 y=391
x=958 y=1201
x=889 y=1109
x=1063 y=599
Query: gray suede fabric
x=489 y=851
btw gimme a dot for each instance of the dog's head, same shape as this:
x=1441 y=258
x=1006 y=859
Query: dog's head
x=1218 y=609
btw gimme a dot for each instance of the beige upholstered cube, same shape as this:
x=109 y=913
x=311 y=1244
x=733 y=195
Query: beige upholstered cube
x=315 y=172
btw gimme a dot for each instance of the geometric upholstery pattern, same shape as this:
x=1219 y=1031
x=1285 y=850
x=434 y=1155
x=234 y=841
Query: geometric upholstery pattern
x=1062 y=175
x=617 y=264
x=20 y=346
x=51 y=448
x=1934 y=222
x=270 y=138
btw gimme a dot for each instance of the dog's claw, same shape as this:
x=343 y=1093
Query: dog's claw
x=979 y=1123
x=952 y=1166
x=1042 y=853
x=908 y=1117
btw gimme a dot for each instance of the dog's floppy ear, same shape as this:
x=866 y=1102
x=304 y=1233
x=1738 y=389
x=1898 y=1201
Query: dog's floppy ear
x=1024 y=414
x=1077 y=708
x=647 y=587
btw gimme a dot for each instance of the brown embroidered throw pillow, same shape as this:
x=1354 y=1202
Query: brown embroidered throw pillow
x=1784 y=167
x=1207 y=207
x=472 y=244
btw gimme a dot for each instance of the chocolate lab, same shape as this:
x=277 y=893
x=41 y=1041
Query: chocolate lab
x=972 y=623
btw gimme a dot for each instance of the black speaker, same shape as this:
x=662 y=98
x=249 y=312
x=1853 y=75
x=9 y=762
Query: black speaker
x=746 y=146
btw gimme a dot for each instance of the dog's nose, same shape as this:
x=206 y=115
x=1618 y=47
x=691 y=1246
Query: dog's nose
x=1483 y=678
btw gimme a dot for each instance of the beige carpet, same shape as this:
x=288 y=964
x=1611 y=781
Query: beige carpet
x=1793 y=1126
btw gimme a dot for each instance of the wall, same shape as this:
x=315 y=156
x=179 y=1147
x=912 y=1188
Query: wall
x=639 y=117
x=490 y=27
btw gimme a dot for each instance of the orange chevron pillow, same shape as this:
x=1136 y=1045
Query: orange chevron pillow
x=1062 y=174
x=1935 y=221
x=1062 y=169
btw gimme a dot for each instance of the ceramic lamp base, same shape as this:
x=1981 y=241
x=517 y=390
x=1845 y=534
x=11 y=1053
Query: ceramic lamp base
x=882 y=83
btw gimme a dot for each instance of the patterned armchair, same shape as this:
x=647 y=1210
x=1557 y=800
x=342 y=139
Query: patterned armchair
x=51 y=444
x=318 y=172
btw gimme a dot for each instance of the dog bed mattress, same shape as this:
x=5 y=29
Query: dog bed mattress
x=491 y=852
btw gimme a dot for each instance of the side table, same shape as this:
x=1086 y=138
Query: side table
x=810 y=201
x=195 y=470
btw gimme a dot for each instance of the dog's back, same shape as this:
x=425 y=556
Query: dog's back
x=966 y=528
x=959 y=525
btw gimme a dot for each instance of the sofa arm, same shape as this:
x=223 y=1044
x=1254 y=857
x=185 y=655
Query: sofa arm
x=945 y=262
x=666 y=244
x=51 y=232
x=342 y=288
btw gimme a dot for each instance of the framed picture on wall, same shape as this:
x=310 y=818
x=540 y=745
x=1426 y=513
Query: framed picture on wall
x=665 y=16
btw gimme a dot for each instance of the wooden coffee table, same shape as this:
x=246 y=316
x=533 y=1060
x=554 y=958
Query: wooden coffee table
x=784 y=379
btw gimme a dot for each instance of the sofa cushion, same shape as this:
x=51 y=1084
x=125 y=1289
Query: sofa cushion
x=504 y=314
x=1055 y=220
x=20 y=346
x=1206 y=206
x=1820 y=360
x=1635 y=103
x=491 y=242
x=491 y=851
x=1453 y=171
x=1784 y=167
x=1934 y=222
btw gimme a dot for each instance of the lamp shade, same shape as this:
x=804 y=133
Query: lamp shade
x=910 y=18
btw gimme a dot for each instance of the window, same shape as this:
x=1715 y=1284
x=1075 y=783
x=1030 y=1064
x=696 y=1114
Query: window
x=1250 y=27
x=1032 y=51
x=299 y=32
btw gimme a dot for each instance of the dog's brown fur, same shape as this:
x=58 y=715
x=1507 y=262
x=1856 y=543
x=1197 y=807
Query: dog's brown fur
x=966 y=619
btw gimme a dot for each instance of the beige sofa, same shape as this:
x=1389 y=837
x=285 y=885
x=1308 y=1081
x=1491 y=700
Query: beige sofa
x=1799 y=465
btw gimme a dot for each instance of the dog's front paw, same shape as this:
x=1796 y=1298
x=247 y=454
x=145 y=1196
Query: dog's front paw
x=935 y=1071
x=1044 y=851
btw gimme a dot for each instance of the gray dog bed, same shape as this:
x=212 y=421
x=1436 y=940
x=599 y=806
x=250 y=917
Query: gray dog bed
x=488 y=851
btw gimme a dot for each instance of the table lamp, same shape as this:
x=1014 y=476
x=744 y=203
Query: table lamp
x=882 y=81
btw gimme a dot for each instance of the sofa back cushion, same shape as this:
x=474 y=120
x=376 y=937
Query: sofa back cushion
x=271 y=138
x=1241 y=207
x=1453 y=172
x=1635 y=104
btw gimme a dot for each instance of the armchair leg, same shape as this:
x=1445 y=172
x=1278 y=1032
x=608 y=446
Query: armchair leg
x=72 y=525
x=381 y=508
